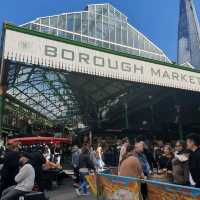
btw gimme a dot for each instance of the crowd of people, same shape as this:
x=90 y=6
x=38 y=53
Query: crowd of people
x=177 y=162
x=23 y=169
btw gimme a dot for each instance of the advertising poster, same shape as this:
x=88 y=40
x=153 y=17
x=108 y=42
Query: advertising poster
x=172 y=192
x=91 y=179
x=108 y=187
x=117 y=188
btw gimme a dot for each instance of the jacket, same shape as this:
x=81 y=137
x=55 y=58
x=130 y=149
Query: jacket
x=75 y=158
x=86 y=162
x=180 y=171
x=25 y=178
x=144 y=163
x=131 y=167
x=10 y=169
x=194 y=166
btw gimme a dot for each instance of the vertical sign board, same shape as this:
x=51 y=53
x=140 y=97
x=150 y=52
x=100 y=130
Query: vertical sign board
x=56 y=53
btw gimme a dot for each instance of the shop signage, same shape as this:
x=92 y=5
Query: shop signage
x=32 y=49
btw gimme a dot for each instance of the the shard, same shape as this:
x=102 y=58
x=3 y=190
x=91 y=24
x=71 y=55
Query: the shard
x=188 y=35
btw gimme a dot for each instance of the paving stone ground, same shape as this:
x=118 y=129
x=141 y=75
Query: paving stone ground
x=66 y=192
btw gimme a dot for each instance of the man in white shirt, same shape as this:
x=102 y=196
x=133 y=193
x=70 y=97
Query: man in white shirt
x=25 y=181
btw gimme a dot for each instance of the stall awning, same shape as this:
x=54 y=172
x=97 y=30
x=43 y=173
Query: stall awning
x=36 y=140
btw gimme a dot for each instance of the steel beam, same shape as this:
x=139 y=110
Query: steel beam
x=2 y=106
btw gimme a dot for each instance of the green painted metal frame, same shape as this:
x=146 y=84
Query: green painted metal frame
x=2 y=105
x=29 y=83
x=14 y=100
x=60 y=39
x=2 y=93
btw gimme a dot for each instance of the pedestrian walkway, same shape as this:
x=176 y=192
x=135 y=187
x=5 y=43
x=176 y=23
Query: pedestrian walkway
x=66 y=192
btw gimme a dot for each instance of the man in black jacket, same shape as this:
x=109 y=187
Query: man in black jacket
x=37 y=160
x=193 y=144
x=85 y=165
x=10 y=167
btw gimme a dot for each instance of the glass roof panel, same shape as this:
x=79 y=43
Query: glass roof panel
x=104 y=23
x=45 y=91
x=45 y=21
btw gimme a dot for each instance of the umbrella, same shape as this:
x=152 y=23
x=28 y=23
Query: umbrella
x=35 y=140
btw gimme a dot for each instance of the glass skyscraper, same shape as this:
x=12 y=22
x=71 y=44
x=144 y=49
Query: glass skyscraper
x=101 y=25
x=188 y=35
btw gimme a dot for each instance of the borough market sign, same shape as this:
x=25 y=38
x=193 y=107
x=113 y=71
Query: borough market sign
x=39 y=49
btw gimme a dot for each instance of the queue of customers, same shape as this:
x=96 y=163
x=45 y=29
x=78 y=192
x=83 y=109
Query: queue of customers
x=141 y=159
x=181 y=163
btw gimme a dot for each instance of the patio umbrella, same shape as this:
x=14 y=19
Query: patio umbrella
x=35 y=140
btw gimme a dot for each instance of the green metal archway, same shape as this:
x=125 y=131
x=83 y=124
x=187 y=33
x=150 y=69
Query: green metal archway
x=71 y=82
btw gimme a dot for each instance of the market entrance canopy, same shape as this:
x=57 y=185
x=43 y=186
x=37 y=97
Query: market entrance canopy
x=21 y=45
x=64 y=79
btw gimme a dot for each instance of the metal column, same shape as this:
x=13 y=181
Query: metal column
x=126 y=115
x=3 y=78
x=2 y=104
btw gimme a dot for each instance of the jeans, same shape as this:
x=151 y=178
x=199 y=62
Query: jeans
x=76 y=174
x=11 y=193
x=83 y=182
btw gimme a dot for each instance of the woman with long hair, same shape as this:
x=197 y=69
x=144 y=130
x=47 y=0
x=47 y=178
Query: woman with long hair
x=99 y=157
x=165 y=161
x=180 y=164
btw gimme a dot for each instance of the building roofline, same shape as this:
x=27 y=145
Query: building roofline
x=139 y=32
x=149 y=40
x=129 y=47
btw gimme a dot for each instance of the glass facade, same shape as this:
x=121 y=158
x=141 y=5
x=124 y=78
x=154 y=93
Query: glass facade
x=188 y=35
x=101 y=25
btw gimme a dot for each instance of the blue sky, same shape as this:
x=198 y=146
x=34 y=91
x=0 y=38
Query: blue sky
x=157 y=19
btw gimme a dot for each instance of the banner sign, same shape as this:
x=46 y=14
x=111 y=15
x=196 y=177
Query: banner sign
x=171 y=192
x=115 y=188
x=32 y=49
x=109 y=187
x=91 y=179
